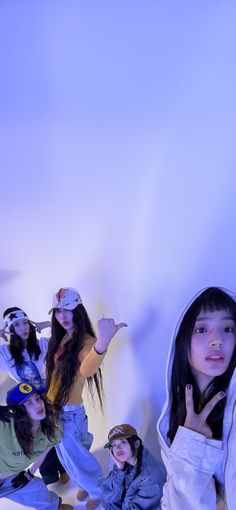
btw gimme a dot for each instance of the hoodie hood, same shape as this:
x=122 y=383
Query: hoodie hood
x=163 y=422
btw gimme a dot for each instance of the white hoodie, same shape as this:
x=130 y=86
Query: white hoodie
x=192 y=459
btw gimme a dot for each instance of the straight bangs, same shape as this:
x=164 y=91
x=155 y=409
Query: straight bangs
x=214 y=299
x=210 y=300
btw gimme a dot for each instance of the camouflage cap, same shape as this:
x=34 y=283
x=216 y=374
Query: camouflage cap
x=120 y=432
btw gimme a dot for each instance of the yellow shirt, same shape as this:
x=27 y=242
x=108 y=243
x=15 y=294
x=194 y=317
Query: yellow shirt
x=90 y=362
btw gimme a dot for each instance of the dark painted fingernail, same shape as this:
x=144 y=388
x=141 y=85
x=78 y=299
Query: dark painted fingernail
x=189 y=386
x=222 y=393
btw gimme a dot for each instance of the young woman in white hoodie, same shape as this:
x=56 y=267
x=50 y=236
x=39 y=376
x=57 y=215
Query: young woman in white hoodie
x=197 y=427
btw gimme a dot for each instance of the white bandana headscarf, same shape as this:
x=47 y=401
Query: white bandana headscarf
x=14 y=316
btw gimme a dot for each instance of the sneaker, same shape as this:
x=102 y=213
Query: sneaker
x=64 y=477
x=92 y=503
x=81 y=494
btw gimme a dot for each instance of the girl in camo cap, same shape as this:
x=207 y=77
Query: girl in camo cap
x=137 y=477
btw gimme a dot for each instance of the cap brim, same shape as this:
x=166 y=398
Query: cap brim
x=119 y=436
x=28 y=395
x=69 y=306
x=41 y=390
x=37 y=390
x=107 y=445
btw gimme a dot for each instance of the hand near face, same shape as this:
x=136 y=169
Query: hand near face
x=197 y=422
x=118 y=463
x=3 y=334
x=39 y=326
x=107 y=328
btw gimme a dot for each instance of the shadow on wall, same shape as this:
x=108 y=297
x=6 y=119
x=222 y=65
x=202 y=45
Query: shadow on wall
x=150 y=348
x=8 y=275
x=147 y=429
x=104 y=460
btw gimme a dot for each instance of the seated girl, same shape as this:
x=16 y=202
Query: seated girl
x=137 y=477
x=28 y=430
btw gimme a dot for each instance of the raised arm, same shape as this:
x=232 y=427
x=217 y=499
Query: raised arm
x=107 y=329
x=192 y=461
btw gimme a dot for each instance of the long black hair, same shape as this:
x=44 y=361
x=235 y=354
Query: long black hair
x=23 y=426
x=16 y=345
x=138 y=452
x=69 y=363
x=212 y=299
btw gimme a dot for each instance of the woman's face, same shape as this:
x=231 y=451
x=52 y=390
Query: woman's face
x=65 y=318
x=35 y=407
x=212 y=345
x=22 y=328
x=121 y=450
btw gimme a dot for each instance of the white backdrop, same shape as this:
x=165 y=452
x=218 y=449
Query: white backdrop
x=118 y=178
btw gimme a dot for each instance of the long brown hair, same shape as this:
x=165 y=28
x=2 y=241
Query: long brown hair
x=16 y=346
x=69 y=363
x=23 y=426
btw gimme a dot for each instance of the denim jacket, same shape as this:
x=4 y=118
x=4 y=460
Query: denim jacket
x=121 y=490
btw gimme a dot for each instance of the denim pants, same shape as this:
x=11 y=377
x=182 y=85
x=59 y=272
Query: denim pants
x=34 y=494
x=73 y=450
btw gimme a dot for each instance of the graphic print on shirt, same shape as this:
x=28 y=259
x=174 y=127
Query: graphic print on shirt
x=29 y=373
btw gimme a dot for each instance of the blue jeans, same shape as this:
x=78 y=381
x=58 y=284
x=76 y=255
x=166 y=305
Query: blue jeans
x=35 y=494
x=73 y=450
